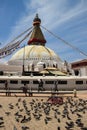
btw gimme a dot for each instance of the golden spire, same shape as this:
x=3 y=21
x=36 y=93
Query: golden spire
x=37 y=37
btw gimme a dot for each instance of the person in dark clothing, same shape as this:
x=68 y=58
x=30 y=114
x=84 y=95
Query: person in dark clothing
x=25 y=89
x=40 y=86
x=6 y=88
x=55 y=85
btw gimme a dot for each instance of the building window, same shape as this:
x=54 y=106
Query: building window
x=44 y=66
x=49 y=82
x=62 y=82
x=35 y=82
x=79 y=82
x=76 y=72
x=14 y=81
x=2 y=81
x=24 y=82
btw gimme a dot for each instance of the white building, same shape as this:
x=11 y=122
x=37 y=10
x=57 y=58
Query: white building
x=80 y=67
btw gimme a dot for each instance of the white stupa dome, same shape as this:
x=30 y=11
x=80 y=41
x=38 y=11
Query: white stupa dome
x=34 y=54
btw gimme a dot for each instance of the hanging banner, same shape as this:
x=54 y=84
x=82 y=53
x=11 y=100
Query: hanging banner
x=7 y=50
x=10 y=48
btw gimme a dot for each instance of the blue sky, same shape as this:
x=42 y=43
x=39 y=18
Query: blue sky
x=65 y=18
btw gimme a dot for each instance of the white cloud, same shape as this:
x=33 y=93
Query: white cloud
x=52 y=13
x=56 y=12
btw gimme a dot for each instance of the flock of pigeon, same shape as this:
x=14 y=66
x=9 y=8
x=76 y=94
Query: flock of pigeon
x=68 y=116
